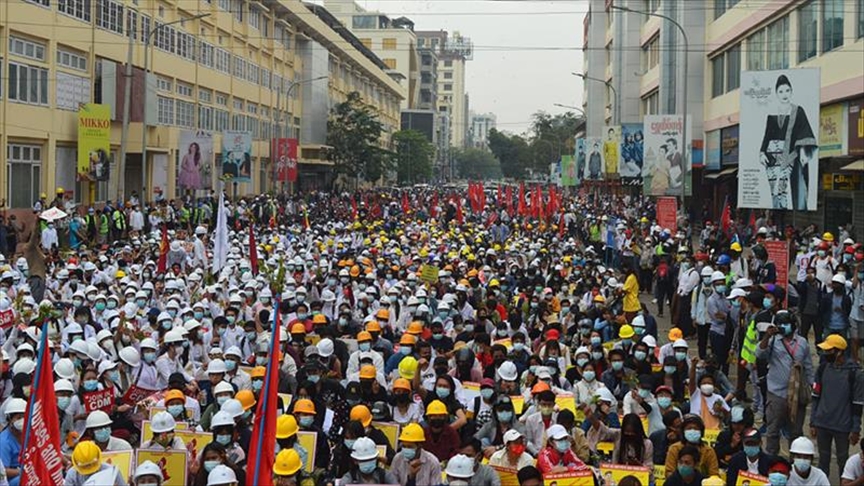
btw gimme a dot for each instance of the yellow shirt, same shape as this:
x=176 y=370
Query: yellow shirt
x=631 y=294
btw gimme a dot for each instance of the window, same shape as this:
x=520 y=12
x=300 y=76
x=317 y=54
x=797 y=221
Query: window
x=252 y=108
x=389 y=43
x=80 y=9
x=205 y=118
x=651 y=103
x=237 y=104
x=254 y=17
x=448 y=63
x=205 y=95
x=390 y=63
x=266 y=78
x=733 y=68
x=185 y=114
x=71 y=59
x=220 y=120
x=448 y=87
x=165 y=38
x=165 y=110
x=164 y=84
x=221 y=99
x=132 y=24
x=366 y=42
x=28 y=84
x=71 y=91
x=23 y=174
x=44 y=3
x=860 y=18
x=27 y=48
x=225 y=5
x=448 y=75
x=364 y=22
x=651 y=53
x=185 y=46
x=184 y=89
x=832 y=24
x=238 y=122
x=807 y=31
x=253 y=73
x=223 y=61
x=206 y=54
x=721 y=6
x=237 y=10
x=718 y=73
x=652 y=5
x=239 y=67
x=778 y=44
x=146 y=26
x=756 y=51
x=109 y=15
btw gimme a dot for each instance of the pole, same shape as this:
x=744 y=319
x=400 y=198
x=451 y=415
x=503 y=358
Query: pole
x=124 y=134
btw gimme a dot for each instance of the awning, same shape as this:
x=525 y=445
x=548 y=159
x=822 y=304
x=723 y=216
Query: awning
x=724 y=172
x=857 y=166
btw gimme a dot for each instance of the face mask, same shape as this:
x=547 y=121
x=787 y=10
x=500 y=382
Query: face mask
x=685 y=470
x=221 y=400
x=313 y=378
x=223 y=439
x=114 y=376
x=230 y=365
x=640 y=355
x=167 y=325
x=349 y=443
x=821 y=253
x=786 y=329
x=100 y=306
x=597 y=355
x=111 y=304
x=442 y=392
x=63 y=402
x=306 y=421
x=18 y=424
x=209 y=465
x=77 y=302
x=367 y=467
x=91 y=385
x=257 y=385
x=178 y=350
x=595 y=340
x=230 y=319
x=409 y=454
x=458 y=482
x=626 y=342
x=617 y=365
x=562 y=445
x=405 y=349
x=176 y=410
x=546 y=411
x=777 y=479
x=261 y=360
x=518 y=347
x=707 y=389
x=565 y=311
x=149 y=357
x=581 y=361
x=140 y=303
x=680 y=355
x=693 y=436
x=102 y=435
x=767 y=303
x=198 y=316
x=751 y=451
x=644 y=393
x=247 y=415
x=802 y=465
x=505 y=416
x=664 y=402
x=589 y=375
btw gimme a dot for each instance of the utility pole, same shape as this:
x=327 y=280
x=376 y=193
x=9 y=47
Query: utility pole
x=124 y=134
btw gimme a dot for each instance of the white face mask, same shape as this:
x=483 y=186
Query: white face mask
x=707 y=389
x=18 y=424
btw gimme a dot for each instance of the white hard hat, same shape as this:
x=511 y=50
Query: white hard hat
x=223 y=387
x=221 y=474
x=162 y=422
x=233 y=407
x=23 y=365
x=802 y=445
x=507 y=371
x=98 y=418
x=15 y=405
x=65 y=368
x=460 y=466
x=147 y=468
x=604 y=394
x=234 y=351
x=706 y=271
x=173 y=336
x=105 y=365
x=364 y=449
x=638 y=321
x=64 y=386
x=94 y=351
x=839 y=278
x=25 y=347
x=148 y=343
x=679 y=343
x=650 y=341
x=216 y=366
x=512 y=435
x=557 y=432
x=130 y=356
x=717 y=275
x=221 y=419
x=191 y=325
x=325 y=347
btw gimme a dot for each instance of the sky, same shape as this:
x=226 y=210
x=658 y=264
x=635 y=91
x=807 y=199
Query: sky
x=524 y=51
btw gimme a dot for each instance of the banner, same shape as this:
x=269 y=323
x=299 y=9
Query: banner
x=856 y=127
x=581 y=159
x=309 y=441
x=631 y=153
x=778 y=252
x=172 y=464
x=568 y=171
x=729 y=137
x=665 y=166
x=712 y=150
x=832 y=130
x=135 y=394
x=7 y=318
x=506 y=475
x=196 y=160
x=390 y=430
x=237 y=155
x=98 y=400
x=285 y=152
x=611 y=150
x=779 y=163
x=41 y=460
x=595 y=166
x=575 y=478
x=614 y=473
x=94 y=142
x=746 y=478
x=122 y=460
x=667 y=213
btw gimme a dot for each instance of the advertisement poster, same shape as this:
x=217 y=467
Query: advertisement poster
x=614 y=473
x=172 y=464
x=778 y=252
x=94 y=142
x=611 y=149
x=832 y=131
x=581 y=159
x=665 y=171
x=729 y=145
x=568 y=171
x=285 y=152
x=856 y=127
x=7 y=318
x=667 y=213
x=595 y=166
x=576 y=478
x=779 y=162
x=196 y=160
x=712 y=150
x=237 y=155
x=631 y=153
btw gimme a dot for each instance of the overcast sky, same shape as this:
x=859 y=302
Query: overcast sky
x=523 y=51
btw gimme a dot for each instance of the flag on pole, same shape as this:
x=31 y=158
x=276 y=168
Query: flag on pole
x=253 y=251
x=521 y=208
x=305 y=217
x=353 y=209
x=41 y=460
x=262 y=447
x=163 y=251
x=726 y=217
x=433 y=207
x=406 y=206
x=220 y=238
x=459 y=216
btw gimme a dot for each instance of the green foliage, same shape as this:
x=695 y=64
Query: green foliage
x=476 y=164
x=353 y=132
x=412 y=157
x=550 y=136
x=512 y=152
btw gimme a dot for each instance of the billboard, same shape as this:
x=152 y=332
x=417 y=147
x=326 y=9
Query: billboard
x=285 y=151
x=237 y=155
x=712 y=150
x=196 y=160
x=832 y=130
x=856 y=127
x=664 y=171
x=581 y=160
x=779 y=146
x=595 y=167
x=568 y=170
x=94 y=142
x=630 y=154
x=611 y=150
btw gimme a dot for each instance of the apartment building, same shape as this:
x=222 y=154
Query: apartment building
x=453 y=51
x=481 y=124
x=243 y=66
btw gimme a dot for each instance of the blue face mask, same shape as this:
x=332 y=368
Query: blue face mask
x=595 y=340
x=644 y=393
x=518 y=347
x=680 y=355
x=626 y=342
x=562 y=445
x=223 y=439
x=720 y=289
x=505 y=416
x=368 y=467
x=751 y=451
x=210 y=465
x=405 y=349
x=442 y=392
x=313 y=378
x=767 y=303
x=306 y=421
x=693 y=436
x=802 y=465
x=581 y=362
x=589 y=375
x=102 y=435
x=63 y=402
x=409 y=454
x=365 y=347
x=91 y=385
x=100 y=306
x=777 y=479
x=664 y=402
x=617 y=365
x=669 y=369
x=230 y=364
x=487 y=393
x=257 y=385
x=176 y=410
x=114 y=376
x=349 y=443
x=640 y=355
x=735 y=303
x=199 y=316
x=437 y=336
x=149 y=357
x=685 y=470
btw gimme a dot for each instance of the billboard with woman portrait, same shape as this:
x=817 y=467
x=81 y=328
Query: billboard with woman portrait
x=195 y=169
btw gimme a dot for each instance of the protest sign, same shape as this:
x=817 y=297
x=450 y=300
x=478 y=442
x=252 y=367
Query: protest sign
x=98 y=400
x=172 y=464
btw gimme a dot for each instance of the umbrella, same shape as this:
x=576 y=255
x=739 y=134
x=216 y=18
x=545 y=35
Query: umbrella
x=52 y=214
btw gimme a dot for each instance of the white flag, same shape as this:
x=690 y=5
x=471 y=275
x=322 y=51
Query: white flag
x=220 y=239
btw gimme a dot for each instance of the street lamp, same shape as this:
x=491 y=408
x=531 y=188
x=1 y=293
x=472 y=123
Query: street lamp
x=568 y=107
x=615 y=112
x=150 y=35
x=684 y=103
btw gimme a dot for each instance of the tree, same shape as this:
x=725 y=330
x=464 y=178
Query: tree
x=353 y=132
x=512 y=152
x=474 y=163
x=412 y=157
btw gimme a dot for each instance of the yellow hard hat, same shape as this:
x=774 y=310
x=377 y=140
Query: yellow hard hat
x=412 y=433
x=60 y=190
x=286 y=426
x=287 y=462
x=87 y=458
x=298 y=328
x=363 y=336
x=174 y=395
x=827 y=237
x=120 y=274
x=407 y=340
x=415 y=328
x=367 y=372
x=373 y=326
x=304 y=406
x=319 y=319
x=258 y=372
x=626 y=332
x=401 y=384
x=735 y=246
x=408 y=367
x=713 y=481
x=361 y=413
x=437 y=407
x=383 y=314
x=246 y=398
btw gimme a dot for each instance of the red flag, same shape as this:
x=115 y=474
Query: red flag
x=481 y=197
x=752 y=222
x=353 y=209
x=253 y=251
x=262 y=447
x=561 y=226
x=536 y=204
x=459 y=216
x=510 y=207
x=522 y=209
x=500 y=198
x=433 y=208
x=163 y=251
x=726 y=217
x=406 y=207
x=41 y=460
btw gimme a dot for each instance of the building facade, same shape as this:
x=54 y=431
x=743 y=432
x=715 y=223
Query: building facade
x=243 y=66
x=480 y=127
x=453 y=51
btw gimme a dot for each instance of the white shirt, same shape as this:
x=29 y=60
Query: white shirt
x=817 y=477
x=49 y=238
x=853 y=468
x=687 y=281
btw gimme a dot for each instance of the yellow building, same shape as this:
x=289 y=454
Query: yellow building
x=248 y=66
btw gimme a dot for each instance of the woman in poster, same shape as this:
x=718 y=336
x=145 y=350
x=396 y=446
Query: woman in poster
x=190 y=168
x=788 y=147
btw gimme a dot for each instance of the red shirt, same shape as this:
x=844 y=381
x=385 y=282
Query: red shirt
x=445 y=446
x=549 y=458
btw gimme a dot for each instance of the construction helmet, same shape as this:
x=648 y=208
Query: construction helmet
x=97 y=418
x=361 y=414
x=174 y=395
x=258 y=372
x=246 y=398
x=287 y=462
x=286 y=426
x=412 y=433
x=87 y=458
x=221 y=419
x=162 y=422
x=147 y=468
x=304 y=406
x=408 y=367
x=221 y=475
x=368 y=372
x=437 y=407
x=402 y=384
x=364 y=449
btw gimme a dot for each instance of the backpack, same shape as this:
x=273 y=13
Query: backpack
x=663 y=271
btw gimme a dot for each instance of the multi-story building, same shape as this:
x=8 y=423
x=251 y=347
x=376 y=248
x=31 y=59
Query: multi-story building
x=239 y=68
x=393 y=40
x=480 y=126
x=754 y=36
x=453 y=51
